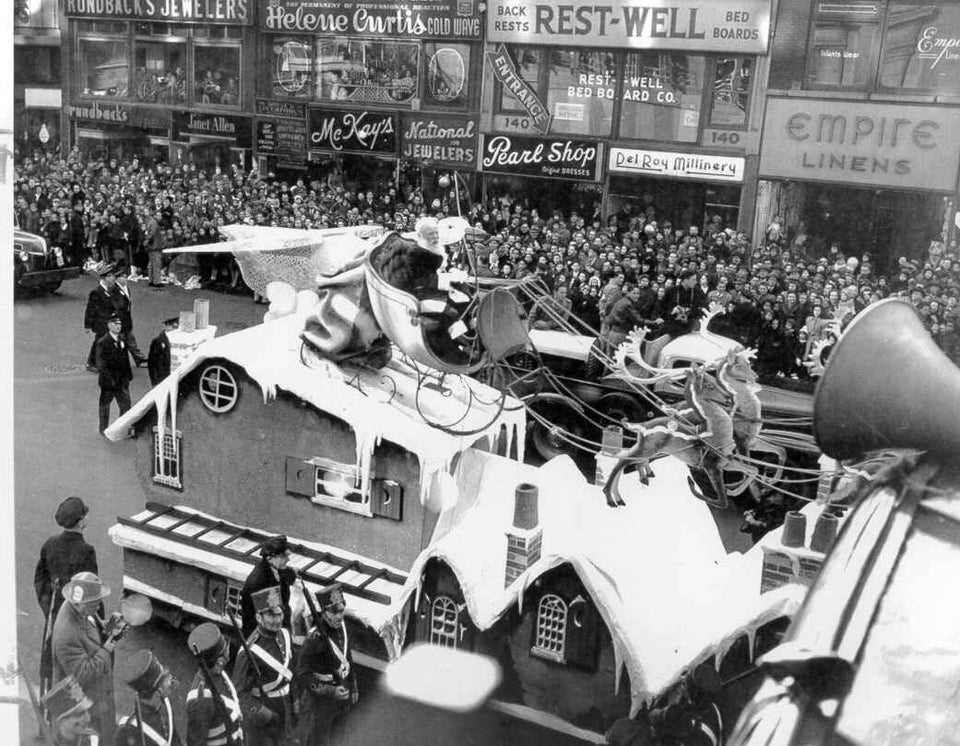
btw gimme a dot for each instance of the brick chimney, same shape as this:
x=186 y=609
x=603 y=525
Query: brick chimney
x=794 y=553
x=525 y=536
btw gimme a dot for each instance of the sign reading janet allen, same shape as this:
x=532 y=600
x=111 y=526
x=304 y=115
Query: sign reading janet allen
x=737 y=26
x=890 y=145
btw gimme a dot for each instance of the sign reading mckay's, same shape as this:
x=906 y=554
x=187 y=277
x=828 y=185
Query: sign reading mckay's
x=680 y=165
x=861 y=143
x=352 y=130
x=556 y=157
x=739 y=26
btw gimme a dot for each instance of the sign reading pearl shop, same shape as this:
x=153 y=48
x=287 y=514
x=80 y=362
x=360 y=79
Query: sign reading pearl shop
x=554 y=158
x=352 y=131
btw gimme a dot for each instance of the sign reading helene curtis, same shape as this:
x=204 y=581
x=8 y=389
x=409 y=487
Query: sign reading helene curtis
x=226 y=12
x=442 y=139
x=445 y=19
x=738 y=26
x=356 y=131
x=556 y=158
x=889 y=145
x=680 y=165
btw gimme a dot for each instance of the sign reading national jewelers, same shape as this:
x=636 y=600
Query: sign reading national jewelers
x=226 y=12
x=357 y=130
x=555 y=157
x=505 y=71
x=738 y=26
x=890 y=145
x=683 y=165
x=446 y=19
x=443 y=139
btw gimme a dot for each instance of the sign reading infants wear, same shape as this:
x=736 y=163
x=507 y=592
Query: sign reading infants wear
x=684 y=165
x=441 y=138
x=238 y=12
x=446 y=19
x=740 y=26
x=891 y=145
x=555 y=157
x=358 y=131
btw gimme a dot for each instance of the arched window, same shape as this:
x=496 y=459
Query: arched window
x=444 y=622
x=551 y=628
x=218 y=389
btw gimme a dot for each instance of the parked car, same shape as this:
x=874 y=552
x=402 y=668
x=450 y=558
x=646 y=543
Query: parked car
x=36 y=265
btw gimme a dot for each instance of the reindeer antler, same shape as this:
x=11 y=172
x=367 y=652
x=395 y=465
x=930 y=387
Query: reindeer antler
x=630 y=350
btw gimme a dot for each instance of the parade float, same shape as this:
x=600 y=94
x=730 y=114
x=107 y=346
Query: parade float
x=407 y=484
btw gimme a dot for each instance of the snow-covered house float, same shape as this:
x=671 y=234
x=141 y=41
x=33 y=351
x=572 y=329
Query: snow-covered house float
x=409 y=488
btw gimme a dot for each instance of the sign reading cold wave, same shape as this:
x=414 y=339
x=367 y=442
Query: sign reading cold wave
x=227 y=12
x=557 y=158
x=447 y=19
x=443 y=139
x=891 y=145
x=355 y=130
x=740 y=26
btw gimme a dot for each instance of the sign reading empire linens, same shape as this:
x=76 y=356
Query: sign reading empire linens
x=737 y=26
x=446 y=19
x=227 y=12
x=354 y=130
x=889 y=145
x=555 y=157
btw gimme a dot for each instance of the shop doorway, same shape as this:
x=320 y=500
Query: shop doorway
x=546 y=195
x=354 y=172
x=682 y=203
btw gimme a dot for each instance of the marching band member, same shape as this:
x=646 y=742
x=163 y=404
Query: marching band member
x=213 y=708
x=151 y=723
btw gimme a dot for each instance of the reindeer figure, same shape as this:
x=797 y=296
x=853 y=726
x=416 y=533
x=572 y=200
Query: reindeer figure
x=703 y=439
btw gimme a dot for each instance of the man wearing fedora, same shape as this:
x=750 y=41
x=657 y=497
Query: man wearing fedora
x=325 y=674
x=69 y=711
x=262 y=674
x=61 y=557
x=83 y=647
x=113 y=371
x=271 y=570
x=151 y=723
x=212 y=722
x=101 y=305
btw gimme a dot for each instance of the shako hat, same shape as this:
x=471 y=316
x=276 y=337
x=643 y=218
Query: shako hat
x=207 y=642
x=144 y=672
x=331 y=596
x=267 y=599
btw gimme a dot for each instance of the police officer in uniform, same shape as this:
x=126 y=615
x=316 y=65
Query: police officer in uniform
x=263 y=683
x=325 y=673
x=158 y=359
x=151 y=722
x=213 y=717
x=270 y=571
x=101 y=305
x=61 y=557
x=69 y=711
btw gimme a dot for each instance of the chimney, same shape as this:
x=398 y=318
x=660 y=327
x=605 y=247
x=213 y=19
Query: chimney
x=610 y=447
x=794 y=553
x=525 y=536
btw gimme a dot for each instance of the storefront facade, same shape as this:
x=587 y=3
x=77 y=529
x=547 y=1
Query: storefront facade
x=151 y=58
x=37 y=100
x=366 y=75
x=859 y=142
x=678 y=81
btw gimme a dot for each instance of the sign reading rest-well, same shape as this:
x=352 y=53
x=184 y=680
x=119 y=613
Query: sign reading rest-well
x=889 y=145
x=738 y=26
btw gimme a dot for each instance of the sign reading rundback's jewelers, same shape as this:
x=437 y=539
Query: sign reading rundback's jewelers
x=225 y=12
x=444 y=139
x=890 y=145
x=739 y=26
x=554 y=157
x=446 y=19
x=354 y=130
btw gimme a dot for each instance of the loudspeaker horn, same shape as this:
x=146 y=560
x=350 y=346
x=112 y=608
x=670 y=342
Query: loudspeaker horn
x=887 y=385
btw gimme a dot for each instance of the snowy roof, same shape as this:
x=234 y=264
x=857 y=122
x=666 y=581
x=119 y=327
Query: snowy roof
x=656 y=569
x=392 y=403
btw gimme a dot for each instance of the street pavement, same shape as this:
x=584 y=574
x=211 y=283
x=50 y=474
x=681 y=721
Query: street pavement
x=58 y=451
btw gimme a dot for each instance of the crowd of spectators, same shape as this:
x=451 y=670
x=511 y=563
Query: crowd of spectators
x=779 y=297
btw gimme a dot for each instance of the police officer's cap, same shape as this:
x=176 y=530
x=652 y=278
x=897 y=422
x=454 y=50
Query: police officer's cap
x=70 y=511
x=273 y=546
x=331 y=597
x=114 y=317
x=144 y=672
x=207 y=643
x=267 y=599
x=66 y=699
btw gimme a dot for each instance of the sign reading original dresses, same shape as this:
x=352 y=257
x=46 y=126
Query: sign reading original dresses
x=679 y=165
x=856 y=142
x=555 y=158
x=739 y=26
x=442 y=139
x=355 y=131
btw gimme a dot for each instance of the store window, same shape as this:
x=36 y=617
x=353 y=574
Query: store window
x=581 y=90
x=104 y=67
x=446 y=75
x=844 y=43
x=662 y=95
x=159 y=71
x=216 y=75
x=732 y=81
x=290 y=66
x=367 y=71
x=921 y=48
x=528 y=61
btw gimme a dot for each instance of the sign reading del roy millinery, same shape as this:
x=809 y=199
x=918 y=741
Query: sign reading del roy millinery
x=355 y=130
x=556 y=158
